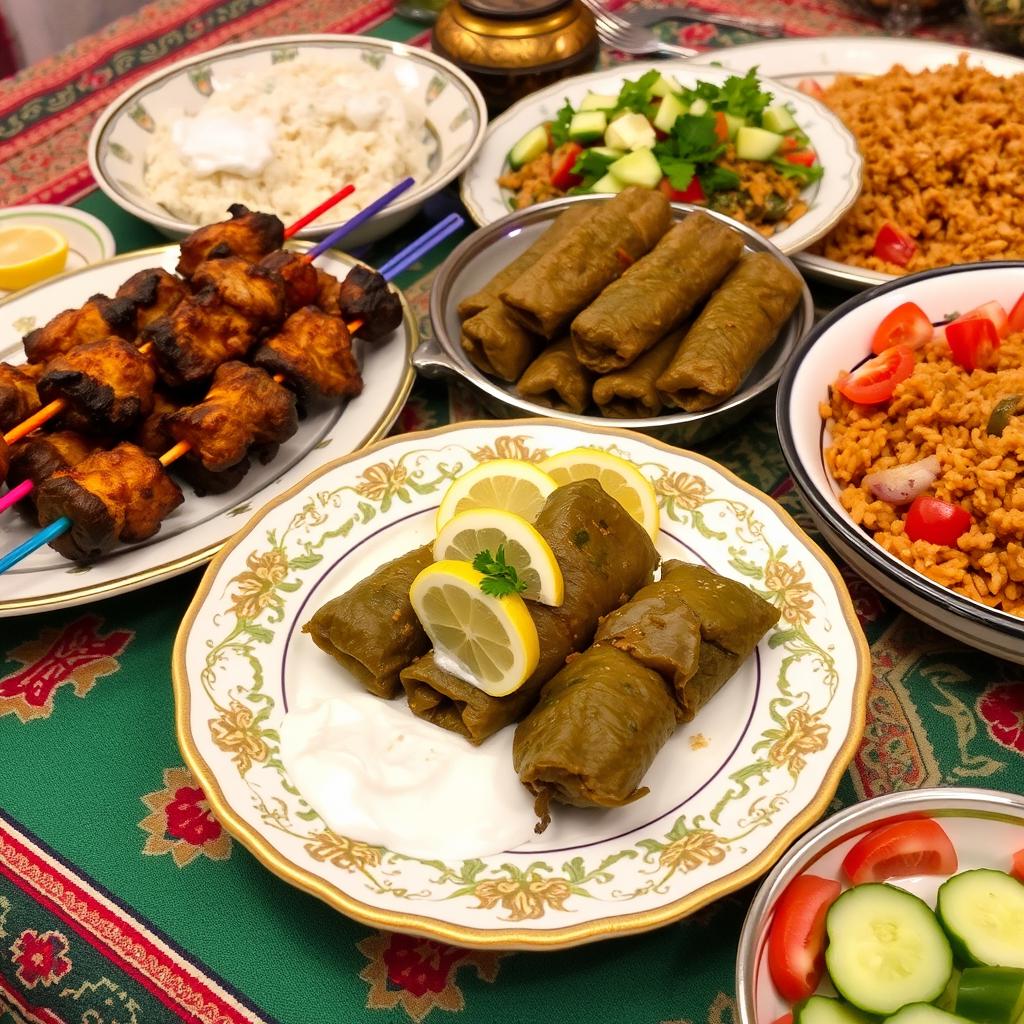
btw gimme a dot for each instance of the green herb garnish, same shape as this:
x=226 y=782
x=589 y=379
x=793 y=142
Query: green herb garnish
x=741 y=96
x=591 y=166
x=692 y=141
x=635 y=95
x=559 y=128
x=804 y=175
x=500 y=578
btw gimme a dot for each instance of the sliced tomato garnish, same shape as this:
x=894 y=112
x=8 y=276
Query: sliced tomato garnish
x=1018 y=866
x=874 y=381
x=938 y=522
x=905 y=325
x=1016 y=317
x=913 y=847
x=972 y=342
x=790 y=144
x=562 y=177
x=796 y=938
x=893 y=246
x=803 y=157
x=786 y=1018
x=811 y=87
x=989 y=311
x=693 y=193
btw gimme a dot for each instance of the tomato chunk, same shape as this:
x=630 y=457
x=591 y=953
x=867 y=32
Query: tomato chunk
x=796 y=938
x=874 y=381
x=721 y=126
x=1016 y=317
x=972 y=342
x=810 y=87
x=915 y=846
x=905 y=325
x=562 y=176
x=1018 y=866
x=936 y=521
x=804 y=157
x=893 y=246
x=693 y=193
x=989 y=311
x=786 y=1018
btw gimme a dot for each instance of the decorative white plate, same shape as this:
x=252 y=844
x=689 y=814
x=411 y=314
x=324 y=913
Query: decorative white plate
x=790 y=60
x=729 y=792
x=828 y=199
x=195 y=530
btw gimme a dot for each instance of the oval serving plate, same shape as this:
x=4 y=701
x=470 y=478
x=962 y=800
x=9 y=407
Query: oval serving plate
x=192 y=534
x=791 y=60
x=828 y=199
x=729 y=792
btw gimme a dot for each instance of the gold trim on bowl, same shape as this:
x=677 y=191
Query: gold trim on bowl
x=514 y=938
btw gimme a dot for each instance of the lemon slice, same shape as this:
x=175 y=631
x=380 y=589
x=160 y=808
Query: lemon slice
x=508 y=484
x=619 y=478
x=468 y=533
x=30 y=253
x=490 y=642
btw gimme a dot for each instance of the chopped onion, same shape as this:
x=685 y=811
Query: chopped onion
x=902 y=484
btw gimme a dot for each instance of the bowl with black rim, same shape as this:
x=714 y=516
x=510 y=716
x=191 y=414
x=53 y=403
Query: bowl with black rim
x=842 y=341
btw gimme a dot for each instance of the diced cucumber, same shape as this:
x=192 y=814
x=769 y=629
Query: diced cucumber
x=598 y=101
x=756 y=143
x=886 y=949
x=640 y=167
x=699 y=107
x=983 y=914
x=529 y=147
x=588 y=126
x=826 y=1010
x=778 y=119
x=609 y=183
x=923 y=1013
x=994 y=995
x=631 y=131
x=670 y=109
x=947 y=1001
x=734 y=124
x=608 y=154
x=665 y=86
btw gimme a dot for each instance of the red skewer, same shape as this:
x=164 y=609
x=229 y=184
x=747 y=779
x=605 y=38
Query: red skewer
x=322 y=208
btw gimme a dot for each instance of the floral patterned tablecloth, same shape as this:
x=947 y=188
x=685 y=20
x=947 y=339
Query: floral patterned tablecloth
x=122 y=899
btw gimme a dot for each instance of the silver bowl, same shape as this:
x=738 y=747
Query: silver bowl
x=490 y=248
x=982 y=823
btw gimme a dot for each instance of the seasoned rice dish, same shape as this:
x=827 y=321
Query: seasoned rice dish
x=944 y=166
x=942 y=410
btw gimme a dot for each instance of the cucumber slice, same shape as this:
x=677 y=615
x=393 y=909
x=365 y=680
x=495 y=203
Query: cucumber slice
x=778 y=119
x=631 y=131
x=640 y=167
x=671 y=108
x=756 y=143
x=734 y=124
x=886 y=949
x=665 y=86
x=529 y=147
x=922 y=1013
x=699 y=107
x=588 y=126
x=994 y=995
x=609 y=154
x=825 y=1010
x=609 y=183
x=983 y=914
x=598 y=101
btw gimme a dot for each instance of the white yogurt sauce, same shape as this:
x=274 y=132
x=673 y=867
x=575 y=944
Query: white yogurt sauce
x=219 y=140
x=375 y=772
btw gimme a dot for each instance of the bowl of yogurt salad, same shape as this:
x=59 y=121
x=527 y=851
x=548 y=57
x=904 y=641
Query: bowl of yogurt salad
x=279 y=125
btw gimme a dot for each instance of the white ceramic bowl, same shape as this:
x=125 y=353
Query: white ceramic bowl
x=456 y=117
x=839 y=342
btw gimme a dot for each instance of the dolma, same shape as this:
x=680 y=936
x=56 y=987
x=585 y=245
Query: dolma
x=372 y=630
x=556 y=379
x=597 y=251
x=595 y=731
x=631 y=393
x=737 y=326
x=605 y=556
x=656 y=294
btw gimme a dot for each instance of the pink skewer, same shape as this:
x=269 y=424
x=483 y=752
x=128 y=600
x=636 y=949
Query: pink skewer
x=15 y=494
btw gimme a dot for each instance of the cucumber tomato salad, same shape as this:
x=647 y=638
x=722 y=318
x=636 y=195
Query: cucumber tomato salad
x=728 y=147
x=863 y=950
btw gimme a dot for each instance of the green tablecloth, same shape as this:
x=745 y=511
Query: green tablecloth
x=123 y=900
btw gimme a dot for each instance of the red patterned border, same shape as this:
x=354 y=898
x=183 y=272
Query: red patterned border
x=25 y=1010
x=178 y=983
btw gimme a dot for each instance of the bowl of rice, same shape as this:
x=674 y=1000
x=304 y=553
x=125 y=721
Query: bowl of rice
x=279 y=125
x=945 y=446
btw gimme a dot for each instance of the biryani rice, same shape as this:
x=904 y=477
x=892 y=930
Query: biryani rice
x=942 y=410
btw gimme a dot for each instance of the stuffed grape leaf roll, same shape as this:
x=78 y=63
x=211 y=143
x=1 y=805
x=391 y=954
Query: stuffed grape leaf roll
x=556 y=379
x=632 y=393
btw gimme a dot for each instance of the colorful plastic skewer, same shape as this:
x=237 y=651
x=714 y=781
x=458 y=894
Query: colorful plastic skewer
x=397 y=263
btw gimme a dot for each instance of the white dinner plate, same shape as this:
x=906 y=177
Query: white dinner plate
x=791 y=60
x=192 y=534
x=729 y=791
x=827 y=199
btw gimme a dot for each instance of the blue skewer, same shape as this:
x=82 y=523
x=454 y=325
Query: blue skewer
x=44 y=536
x=360 y=218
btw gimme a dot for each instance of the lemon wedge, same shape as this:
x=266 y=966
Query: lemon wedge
x=490 y=642
x=468 y=533
x=619 y=478
x=30 y=253
x=508 y=484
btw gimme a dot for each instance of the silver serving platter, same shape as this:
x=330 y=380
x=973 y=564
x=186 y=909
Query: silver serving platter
x=490 y=248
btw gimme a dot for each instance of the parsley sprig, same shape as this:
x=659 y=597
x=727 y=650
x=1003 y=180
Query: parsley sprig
x=500 y=578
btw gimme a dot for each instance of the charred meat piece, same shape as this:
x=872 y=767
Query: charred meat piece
x=245 y=407
x=203 y=332
x=152 y=435
x=249 y=288
x=107 y=386
x=154 y=293
x=121 y=495
x=39 y=456
x=328 y=292
x=99 y=318
x=313 y=351
x=18 y=395
x=365 y=296
x=299 y=276
x=249 y=235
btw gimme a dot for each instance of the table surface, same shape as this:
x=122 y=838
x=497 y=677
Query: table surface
x=123 y=900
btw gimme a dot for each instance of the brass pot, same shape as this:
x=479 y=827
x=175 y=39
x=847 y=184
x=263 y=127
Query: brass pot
x=512 y=48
